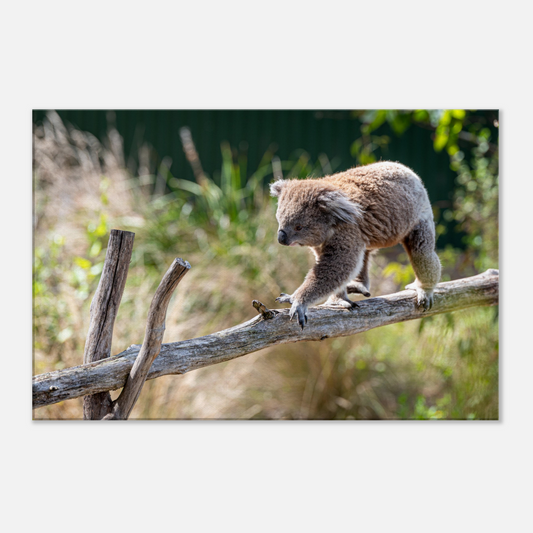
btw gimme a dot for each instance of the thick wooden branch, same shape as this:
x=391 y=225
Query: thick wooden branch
x=153 y=338
x=104 y=309
x=260 y=332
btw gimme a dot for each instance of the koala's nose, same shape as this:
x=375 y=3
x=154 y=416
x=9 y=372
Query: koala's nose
x=282 y=237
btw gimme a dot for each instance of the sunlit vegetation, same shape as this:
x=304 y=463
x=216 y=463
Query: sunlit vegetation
x=444 y=367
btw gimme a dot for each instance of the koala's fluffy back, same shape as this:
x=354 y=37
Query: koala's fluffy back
x=392 y=198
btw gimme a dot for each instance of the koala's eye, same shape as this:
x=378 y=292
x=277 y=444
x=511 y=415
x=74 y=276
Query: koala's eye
x=297 y=228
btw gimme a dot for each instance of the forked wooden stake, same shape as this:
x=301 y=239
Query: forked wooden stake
x=153 y=338
x=103 y=312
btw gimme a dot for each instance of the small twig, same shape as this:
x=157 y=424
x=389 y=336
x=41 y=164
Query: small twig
x=153 y=338
x=263 y=310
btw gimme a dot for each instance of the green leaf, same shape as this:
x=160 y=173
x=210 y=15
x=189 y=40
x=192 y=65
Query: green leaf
x=421 y=115
x=446 y=118
x=83 y=263
x=355 y=149
x=186 y=185
x=458 y=113
x=101 y=229
x=441 y=138
x=96 y=248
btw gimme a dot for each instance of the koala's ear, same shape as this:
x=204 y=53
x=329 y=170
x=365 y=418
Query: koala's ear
x=340 y=206
x=277 y=187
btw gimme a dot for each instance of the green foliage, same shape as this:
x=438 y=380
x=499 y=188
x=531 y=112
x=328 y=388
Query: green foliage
x=476 y=203
x=224 y=218
x=401 y=272
x=365 y=148
x=51 y=325
x=87 y=268
x=58 y=279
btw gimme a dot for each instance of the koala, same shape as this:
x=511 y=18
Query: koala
x=343 y=218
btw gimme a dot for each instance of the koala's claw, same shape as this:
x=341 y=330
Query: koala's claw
x=284 y=298
x=426 y=301
x=299 y=310
x=296 y=309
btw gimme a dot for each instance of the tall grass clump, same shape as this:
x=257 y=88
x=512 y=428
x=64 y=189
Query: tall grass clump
x=224 y=225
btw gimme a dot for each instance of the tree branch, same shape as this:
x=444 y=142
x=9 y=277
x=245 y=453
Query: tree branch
x=261 y=332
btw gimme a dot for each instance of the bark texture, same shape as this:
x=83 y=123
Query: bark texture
x=270 y=328
x=104 y=307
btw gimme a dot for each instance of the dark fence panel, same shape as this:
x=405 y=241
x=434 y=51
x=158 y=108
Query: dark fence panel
x=254 y=131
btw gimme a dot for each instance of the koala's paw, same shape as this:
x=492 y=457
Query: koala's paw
x=424 y=298
x=284 y=298
x=356 y=287
x=300 y=310
x=337 y=301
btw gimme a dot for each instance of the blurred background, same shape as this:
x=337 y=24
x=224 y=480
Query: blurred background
x=194 y=184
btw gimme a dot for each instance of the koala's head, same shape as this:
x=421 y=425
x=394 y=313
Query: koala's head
x=309 y=210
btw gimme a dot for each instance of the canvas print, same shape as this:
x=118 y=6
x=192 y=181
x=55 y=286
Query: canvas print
x=265 y=264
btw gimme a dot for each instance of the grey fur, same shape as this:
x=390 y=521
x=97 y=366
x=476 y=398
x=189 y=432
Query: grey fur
x=343 y=217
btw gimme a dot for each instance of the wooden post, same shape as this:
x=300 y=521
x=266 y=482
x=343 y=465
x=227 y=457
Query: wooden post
x=103 y=312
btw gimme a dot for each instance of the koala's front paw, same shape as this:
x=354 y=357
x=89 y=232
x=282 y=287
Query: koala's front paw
x=284 y=298
x=300 y=310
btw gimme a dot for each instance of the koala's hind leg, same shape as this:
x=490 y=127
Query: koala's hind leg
x=361 y=284
x=420 y=247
